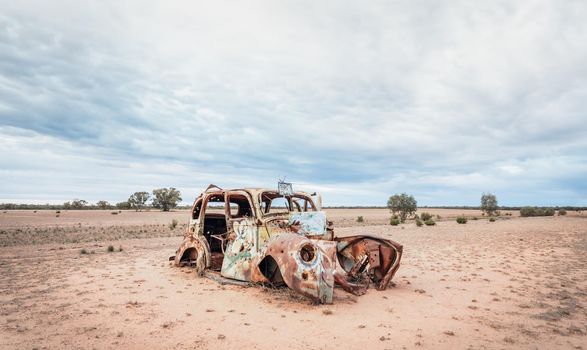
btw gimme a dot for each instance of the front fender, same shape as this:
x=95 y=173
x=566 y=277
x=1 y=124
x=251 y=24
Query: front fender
x=306 y=266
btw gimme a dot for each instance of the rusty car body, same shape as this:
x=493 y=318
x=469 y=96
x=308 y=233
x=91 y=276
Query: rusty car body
x=263 y=235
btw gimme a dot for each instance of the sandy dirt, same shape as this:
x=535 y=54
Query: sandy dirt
x=513 y=283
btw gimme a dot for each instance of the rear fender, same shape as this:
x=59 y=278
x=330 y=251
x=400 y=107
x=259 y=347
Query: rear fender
x=194 y=250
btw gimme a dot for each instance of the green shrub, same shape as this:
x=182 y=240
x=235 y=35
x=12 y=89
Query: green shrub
x=429 y=222
x=360 y=219
x=535 y=211
x=426 y=216
x=492 y=219
x=110 y=248
x=489 y=204
x=403 y=205
x=419 y=222
x=562 y=212
x=461 y=220
x=394 y=222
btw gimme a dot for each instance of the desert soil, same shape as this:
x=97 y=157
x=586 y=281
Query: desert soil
x=513 y=283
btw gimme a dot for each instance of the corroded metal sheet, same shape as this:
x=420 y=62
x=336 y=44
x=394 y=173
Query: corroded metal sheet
x=311 y=223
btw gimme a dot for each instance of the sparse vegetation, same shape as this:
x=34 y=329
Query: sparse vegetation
x=110 y=248
x=535 y=211
x=138 y=200
x=360 y=219
x=489 y=204
x=403 y=205
x=123 y=205
x=166 y=198
x=562 y=212
x=419 y=222
x=462 y=219
x=394 y=222
x=83 y=251
x=103 y=205
x=426 y=216
x=429 y=222
x=491 y=219
x=76 y=204
x=173 y=224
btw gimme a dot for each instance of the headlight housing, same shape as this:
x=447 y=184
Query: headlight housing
x=308 y=253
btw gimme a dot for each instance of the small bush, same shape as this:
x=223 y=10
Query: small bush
x=438 y=217
x=114 y=213
x=419 y=222
x=535 y=211
x=402 y=204
x=360 y=219
x=57 y=211
x=461 y=220
x=429 y=222
x=84 y=251
x=110 y=248
x=426 y=216
x=173 y=224
x=394 y=222
x=491 y=219
x=562 y=212
x=475 y=218
x=57 y=215
x=120 y=248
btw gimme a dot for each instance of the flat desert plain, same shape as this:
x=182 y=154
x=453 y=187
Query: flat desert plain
x=514 y=283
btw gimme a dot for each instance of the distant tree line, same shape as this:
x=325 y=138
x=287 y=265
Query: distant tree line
x=161 y=198
x=404 y=206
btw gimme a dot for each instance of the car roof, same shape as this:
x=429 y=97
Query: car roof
x=251 y=190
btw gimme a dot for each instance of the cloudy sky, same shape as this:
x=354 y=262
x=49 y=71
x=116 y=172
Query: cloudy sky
x=359 y=100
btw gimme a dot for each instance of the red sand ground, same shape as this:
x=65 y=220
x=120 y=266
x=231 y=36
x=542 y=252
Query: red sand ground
x=513 y=283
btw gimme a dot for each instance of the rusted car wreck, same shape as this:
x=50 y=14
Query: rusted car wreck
x=282 y=237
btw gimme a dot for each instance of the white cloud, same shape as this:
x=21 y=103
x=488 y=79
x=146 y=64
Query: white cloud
x=442 y=99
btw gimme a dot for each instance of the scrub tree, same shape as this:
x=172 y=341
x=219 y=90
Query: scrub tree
x=402 y=205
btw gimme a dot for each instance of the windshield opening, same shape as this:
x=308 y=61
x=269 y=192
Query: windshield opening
x=274 y=203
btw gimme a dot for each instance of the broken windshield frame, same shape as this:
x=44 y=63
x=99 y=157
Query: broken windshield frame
x=297 y=203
